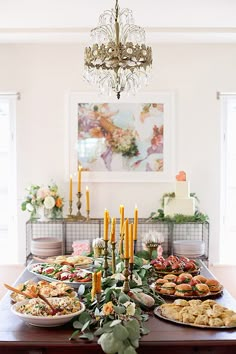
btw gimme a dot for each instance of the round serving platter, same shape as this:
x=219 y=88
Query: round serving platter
x=209 y=295
x=74 y=284
x=157 y=313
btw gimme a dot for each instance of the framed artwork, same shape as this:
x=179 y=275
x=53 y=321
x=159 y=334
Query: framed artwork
x=126 y=140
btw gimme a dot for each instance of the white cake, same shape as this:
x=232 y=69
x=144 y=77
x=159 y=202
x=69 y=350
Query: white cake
x=182 y=203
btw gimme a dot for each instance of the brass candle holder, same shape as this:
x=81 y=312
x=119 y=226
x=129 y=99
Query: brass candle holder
x=152 y=246
x=70 y=216
x=113 y=248
x=98 y=298
x=105 y=259
x=87 y=217
x=126 y=273
x=79 y=216
x=121 y=246
x=131 y=268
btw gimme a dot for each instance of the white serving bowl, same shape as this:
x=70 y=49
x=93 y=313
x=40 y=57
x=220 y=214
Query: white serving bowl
x=42 y=321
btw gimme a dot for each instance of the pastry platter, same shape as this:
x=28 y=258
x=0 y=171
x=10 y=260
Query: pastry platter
x=80 y=261
x=72 y=276
x=157 y=313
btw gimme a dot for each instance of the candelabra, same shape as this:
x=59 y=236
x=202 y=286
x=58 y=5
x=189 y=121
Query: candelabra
x=105 y=259
x=113 y=247
x=79 y=216
x=126 y=273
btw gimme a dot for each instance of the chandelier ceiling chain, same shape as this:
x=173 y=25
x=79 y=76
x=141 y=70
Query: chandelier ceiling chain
x=118 y=59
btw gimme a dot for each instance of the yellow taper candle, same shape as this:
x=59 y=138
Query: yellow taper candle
x=79 y=178
x=105 y=225
x=121 y=218
x=70 y=193
x=113 y=231
x=135 y=222
x=126 y=239
x=131 y=243
x=87 y=199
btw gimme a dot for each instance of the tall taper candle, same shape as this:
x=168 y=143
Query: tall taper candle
x=113 y=230
x=131 y=243
x=126 y=239
x=135 y=223
x=87 y=199
x=105 y=225
x=79 y=178
x=121 y=218
x=70 y=193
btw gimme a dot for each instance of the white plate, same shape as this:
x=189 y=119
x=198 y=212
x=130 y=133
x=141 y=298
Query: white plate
x=46 y=242
x=44 y=277
x=42 y=321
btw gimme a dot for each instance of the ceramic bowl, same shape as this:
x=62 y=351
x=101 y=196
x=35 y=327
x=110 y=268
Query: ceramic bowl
x=42 y=321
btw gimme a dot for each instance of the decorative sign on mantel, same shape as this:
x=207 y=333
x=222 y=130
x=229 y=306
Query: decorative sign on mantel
x=130 y=140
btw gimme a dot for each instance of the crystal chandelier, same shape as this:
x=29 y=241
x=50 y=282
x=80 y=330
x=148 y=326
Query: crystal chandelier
x=118 y=59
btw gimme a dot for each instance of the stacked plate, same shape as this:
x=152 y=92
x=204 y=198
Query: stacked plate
x=189 y=248
x=45 y=247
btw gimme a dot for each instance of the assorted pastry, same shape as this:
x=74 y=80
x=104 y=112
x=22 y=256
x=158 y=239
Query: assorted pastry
x=206 y=313
x=187 y=285
x=175 y=265
x=68 y=260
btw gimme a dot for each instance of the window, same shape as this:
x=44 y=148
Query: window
x=8 y=234
x=228 y=207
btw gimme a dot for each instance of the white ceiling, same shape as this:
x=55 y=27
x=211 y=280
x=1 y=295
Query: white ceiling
x=164 y=20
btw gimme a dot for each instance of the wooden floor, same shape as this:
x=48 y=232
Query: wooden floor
x=225 y=274
x=9 y=275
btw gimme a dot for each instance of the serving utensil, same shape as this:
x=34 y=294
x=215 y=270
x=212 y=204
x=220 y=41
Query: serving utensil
x=33 y=295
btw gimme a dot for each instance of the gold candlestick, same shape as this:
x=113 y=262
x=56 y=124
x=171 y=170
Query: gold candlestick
x=131 y=267
x=79 y=216
x=70 y=216
x=121 y=246
x=113 y=246
x=126 y=273
x=105 y=259
x=152 y=246
x=87 y=217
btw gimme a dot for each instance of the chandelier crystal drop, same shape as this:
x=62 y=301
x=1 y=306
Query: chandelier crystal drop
x=118 y=59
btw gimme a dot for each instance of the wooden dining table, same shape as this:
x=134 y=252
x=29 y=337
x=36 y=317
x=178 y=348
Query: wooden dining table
x=165 y=337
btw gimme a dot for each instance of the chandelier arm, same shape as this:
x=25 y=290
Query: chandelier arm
x=104 y=29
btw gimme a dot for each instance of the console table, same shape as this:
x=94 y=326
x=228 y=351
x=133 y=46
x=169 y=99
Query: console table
x=68 y=231
x=18 y=338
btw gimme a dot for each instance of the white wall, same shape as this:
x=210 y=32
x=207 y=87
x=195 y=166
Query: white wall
x=45 y=73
